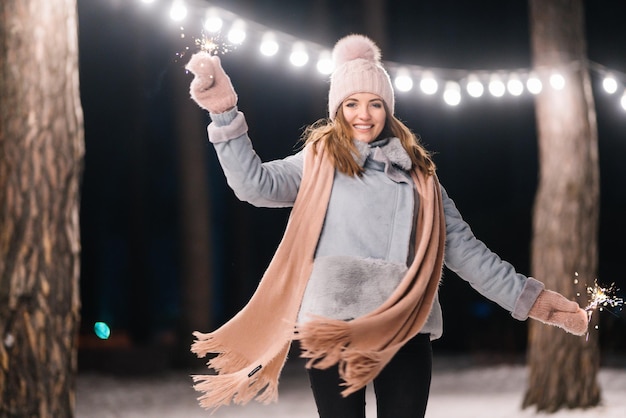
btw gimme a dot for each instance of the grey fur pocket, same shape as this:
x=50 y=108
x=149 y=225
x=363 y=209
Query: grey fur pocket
x=343 y=287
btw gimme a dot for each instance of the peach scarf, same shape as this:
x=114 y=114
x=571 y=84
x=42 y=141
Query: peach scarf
x=252 y=347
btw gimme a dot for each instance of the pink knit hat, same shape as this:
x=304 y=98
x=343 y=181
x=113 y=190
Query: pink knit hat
x=357 y=70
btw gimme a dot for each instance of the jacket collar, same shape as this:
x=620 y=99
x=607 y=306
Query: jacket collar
x=386 y=155
x=388 y=150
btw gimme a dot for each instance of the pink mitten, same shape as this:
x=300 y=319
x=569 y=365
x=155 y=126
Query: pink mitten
x=554 y=309
x=210 y=88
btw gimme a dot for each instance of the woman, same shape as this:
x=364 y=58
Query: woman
x=357 y=271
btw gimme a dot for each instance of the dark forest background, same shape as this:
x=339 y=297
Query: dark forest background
x=134 y=89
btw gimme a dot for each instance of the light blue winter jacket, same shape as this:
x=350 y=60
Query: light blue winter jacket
x=366 y=241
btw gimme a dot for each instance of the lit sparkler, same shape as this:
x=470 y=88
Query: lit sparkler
x=600 y=297
x=210 y=44
x=207 y=44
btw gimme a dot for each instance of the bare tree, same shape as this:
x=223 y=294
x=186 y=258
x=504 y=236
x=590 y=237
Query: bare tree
x=41 y=150
x=197 y=281
x=563 y=368
x=375 y=14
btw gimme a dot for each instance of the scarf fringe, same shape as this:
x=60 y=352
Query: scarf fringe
x=205 y=343
x=238 y=380
x=358 y=367
x=323 y=341
x=226 y=361
x=221 y=390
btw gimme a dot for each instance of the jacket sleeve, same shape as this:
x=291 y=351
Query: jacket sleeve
x=269 y=184
x=484 y=270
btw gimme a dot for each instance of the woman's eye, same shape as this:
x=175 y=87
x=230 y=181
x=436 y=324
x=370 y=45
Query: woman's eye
x=377 y=105
x=350 y=104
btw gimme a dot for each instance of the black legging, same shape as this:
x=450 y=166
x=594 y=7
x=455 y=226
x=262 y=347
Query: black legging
x=401 y=388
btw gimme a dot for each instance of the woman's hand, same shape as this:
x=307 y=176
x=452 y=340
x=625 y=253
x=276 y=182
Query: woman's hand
x=554 y=309
x=210 y=88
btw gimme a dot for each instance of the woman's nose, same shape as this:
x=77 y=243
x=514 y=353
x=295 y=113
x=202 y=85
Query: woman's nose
x=364 y=113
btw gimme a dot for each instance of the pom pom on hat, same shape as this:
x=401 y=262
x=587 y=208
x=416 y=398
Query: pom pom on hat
x=357 y=70
x=355 y=46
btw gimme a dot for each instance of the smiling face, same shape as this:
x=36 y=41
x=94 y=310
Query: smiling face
x=365 y=114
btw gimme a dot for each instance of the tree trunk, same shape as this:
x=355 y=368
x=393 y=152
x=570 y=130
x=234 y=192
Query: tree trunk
x=563 y=367
x=41 y=150
x=197 y=281
x=375 y=15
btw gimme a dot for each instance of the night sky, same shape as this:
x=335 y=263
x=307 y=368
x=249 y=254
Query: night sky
x=133 y=84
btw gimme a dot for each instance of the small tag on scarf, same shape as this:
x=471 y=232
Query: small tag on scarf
x=256 y=369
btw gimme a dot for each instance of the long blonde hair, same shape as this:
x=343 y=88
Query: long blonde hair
x=335 y=135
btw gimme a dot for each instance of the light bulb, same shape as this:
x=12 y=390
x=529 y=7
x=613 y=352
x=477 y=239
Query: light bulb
x=514 y=85
x=298 y=56
x=428 y=84
x=403 y=80
x=496 y=87
x=452 y=93
x=269 y=46
x=610 y=84
x=557 y=81
x=178 y=11
x=533 y=84
x=212 y=23
x=237 y=33
x=474 y=87
x=325 y=63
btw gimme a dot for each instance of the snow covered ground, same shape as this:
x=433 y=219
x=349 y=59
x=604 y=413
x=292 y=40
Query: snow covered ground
x=459 y=390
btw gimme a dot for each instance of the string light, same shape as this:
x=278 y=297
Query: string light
x=557 y=81
x=496 y=86
x=452 y=93
x=475 y=83
x=269 y=46
x=178 y=11
x=474 y=87
x=403 y=81
x=299 y=56
x=534 y=84
x=514 y=85
x=325 y=63
x=610 y=84
x=212 y=23
x=428 y=84
x=237 y=33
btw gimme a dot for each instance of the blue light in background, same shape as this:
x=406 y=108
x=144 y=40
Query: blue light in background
x=102 y=330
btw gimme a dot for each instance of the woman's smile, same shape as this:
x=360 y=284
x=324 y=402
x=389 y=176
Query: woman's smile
x=366 y=115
